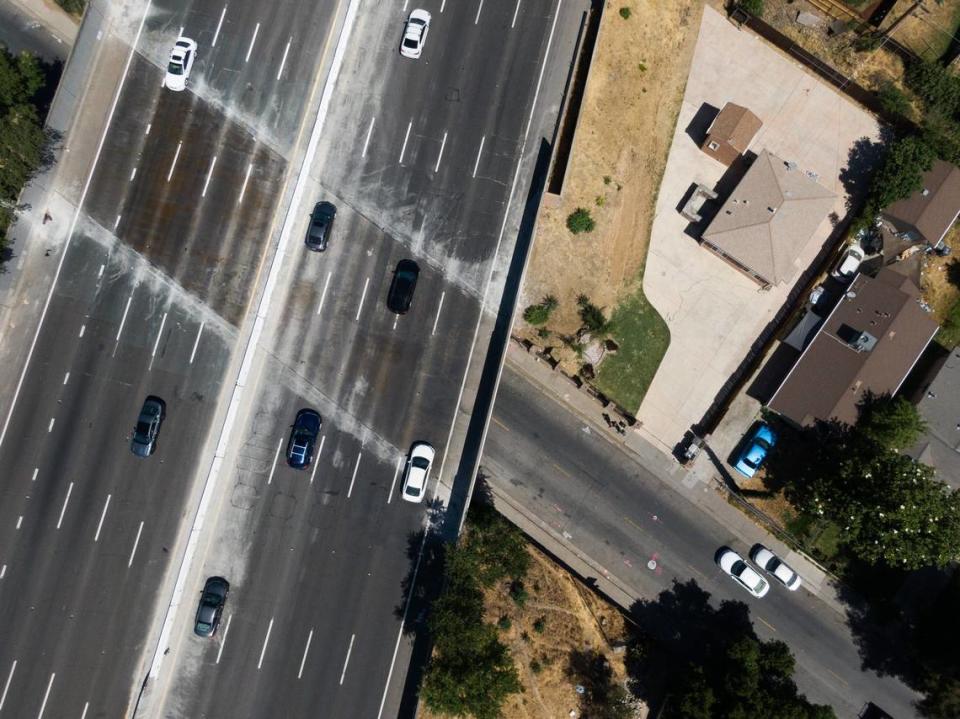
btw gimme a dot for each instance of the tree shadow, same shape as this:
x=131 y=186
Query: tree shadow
x=862 y=160
x=953 y=273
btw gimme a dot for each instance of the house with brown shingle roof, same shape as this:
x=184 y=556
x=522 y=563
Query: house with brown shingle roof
x=869 y=343
x=769 y=218
x=731 y=133
x=929 y=212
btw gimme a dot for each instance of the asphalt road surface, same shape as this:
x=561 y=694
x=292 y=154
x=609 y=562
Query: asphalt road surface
x=152 y=288
x=419 y=157
x=602 y=501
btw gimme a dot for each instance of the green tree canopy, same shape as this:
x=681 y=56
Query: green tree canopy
x=901 y=171
x=603 y=697
x=891 y=422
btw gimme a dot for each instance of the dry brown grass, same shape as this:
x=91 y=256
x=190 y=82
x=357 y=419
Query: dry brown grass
x=574 y=618
x=926 y=31
x=938 y=291
x=629 y=111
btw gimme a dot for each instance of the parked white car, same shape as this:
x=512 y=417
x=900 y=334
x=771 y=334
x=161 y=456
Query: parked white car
x=737 y=567
x=772 y=564
x=181 y=62
x=415 y=34
x=417 y=473
x=849 y=263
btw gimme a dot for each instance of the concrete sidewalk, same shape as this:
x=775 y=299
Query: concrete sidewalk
x=699 y=485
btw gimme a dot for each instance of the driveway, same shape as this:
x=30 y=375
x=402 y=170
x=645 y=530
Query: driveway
x=714 y=312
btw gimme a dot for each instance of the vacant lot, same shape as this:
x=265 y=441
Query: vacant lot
x=632 y=99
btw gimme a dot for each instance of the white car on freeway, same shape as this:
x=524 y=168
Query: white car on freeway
x=735 y=565
x=181 y=62
x=772 y=564
x=415 y=34
x=417 y=473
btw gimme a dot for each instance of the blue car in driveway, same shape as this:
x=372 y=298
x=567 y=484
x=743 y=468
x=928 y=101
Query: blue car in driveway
x=755 y=450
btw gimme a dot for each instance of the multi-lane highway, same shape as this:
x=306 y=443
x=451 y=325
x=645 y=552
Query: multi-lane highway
x=421 y=158
x=163 y=256
x=597 y=498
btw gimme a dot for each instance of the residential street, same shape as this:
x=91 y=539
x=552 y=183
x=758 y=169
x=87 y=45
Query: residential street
x=582 y=496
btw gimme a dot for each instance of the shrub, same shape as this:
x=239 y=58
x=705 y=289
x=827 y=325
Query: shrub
x=539 y=313
x=754 y=7
x=535 y=666
x=580 y=221
x=518 y=592
x=504 y=623
x=893 y=100
x=540 y=624
x=592 y=316
x=868 y=42
x=625 y=13
x=939 y=88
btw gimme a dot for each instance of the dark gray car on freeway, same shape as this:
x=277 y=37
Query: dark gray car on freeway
x=144 y=440
x=212 y=599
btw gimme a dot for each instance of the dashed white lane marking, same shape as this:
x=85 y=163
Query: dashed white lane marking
x=323 y=295
x=396 y=318
x=66 y=501
x=3 y=571
x=103 y=515
x=133 y=174
x=516 y=10
x=305 y=650
x=136 y=542
x=100 y=273
x=117 y=221
x=123 y=321
x=196 y=342
x=347 y=660
x=223 y=14
x=86 y=706
x=437 y=318
x=243 y=188
x=406 y=137
x=36 y=471
x=173 y=164
x=83 y=328
x=354 y=477
x=206 y=183
x=316 y=460
x=252 y=41
x=443 y=144
x=50 y=426
x=479 y=8
x=156 y=343
x=266 y=640
x=283 y=61
x=19 y=522
x=46 y=696
x=149 y=125
x=6 y=687
x=366 y=284
x=479 y=152
x=180 y=34
x=276 y=456
x=443 y=4
x=366 y=143
x=223 y=641
x=66 y=378
x=396 y=473
x=405 y=2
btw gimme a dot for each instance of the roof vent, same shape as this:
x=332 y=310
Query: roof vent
x=791 y=165
x=771 y=210
x=925 y=192
x=863 y=342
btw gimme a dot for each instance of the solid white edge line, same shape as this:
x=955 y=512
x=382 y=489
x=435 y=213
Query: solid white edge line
x=363 y=297
x=443 y=144
x=266 y=640
x=479 y=152
x=219 y=25
x=354 y=477
x=347 y=660
x=173 y=164
x=276 y=456
x=284 y=60
x=103 y=516
x=46 y=695
x=396 y=473
x=66 y=501
x=503 y=227
x=406 y=610
x=437 y=318
x=406 y=137
x=223 y=639
x=256 y=30
x=136 y=542
x=323 y=295
x=515 y=12
x=366 y=142
x=243 y=187
x=6 y=687
x=206 y=183
x=305 y=650
x=254 y=339
x=196 y=342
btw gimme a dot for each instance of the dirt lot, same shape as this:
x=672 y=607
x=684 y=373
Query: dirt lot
x=573 y=618
x=927 y=31
x=629 y=111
